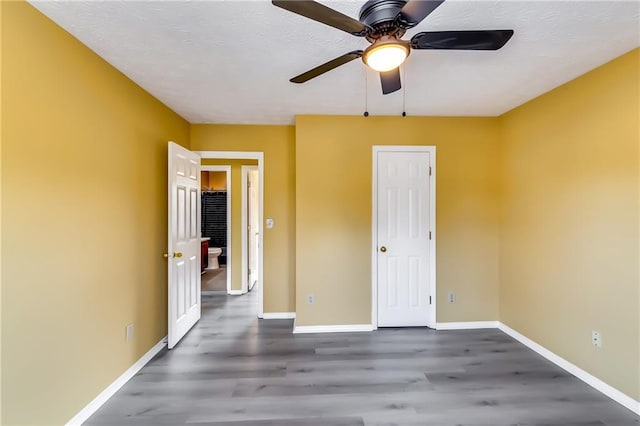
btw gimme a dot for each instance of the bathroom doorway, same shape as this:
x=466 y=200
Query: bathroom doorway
x=216 y=228
x=237 y=246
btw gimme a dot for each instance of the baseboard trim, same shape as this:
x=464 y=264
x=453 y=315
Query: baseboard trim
x=114 y=387
x=608 y=390
x=470 y=325
x=235 y=292
x=350 y=328
x=279 y=315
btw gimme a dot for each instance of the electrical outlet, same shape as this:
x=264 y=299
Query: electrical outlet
x=310 y=299
x=128 y=335
x=452 y=297
x=596 y=339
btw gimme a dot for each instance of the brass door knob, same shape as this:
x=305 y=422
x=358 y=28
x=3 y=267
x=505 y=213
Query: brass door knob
x=175 y=254
x=383 y=249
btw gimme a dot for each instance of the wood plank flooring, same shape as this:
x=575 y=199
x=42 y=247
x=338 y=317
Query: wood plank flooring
x=215 y=279
x=233 y=369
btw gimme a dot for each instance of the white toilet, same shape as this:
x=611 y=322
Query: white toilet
x=214 y=252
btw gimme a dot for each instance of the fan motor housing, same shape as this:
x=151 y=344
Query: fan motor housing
x=380 y=16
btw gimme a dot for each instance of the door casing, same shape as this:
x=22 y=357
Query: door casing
x=432 y=225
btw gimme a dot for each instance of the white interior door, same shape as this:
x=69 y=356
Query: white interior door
x=184 y=242
x=254 y=226
x=403 y=238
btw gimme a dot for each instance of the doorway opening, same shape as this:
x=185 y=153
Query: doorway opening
x=216 y=223
x=245 y=192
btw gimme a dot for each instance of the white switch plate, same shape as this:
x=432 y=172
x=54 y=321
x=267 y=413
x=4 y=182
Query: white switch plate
x=596 y=339
x=128 y=332
x=269 y=223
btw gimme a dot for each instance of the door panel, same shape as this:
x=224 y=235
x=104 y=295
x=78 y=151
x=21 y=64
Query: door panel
x=403 y=230
x=254 y=226
x=184 y=242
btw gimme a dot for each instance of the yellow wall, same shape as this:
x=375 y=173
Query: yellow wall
x=277 y=143
x=218 y=180
x=236 y=215
x=0 y=210
x=204 y=181
x=569 y=242
x=333 y=213
x=82 y=258
x=214 y=181
x=563 y=247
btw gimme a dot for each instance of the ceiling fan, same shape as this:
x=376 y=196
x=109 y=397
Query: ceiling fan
x=383 y=23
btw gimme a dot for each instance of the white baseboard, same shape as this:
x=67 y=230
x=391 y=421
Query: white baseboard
x=613 y=393
x=235 y=292
x=278 y=315
x=471 y=325
x=104 y=396
x=350 y=328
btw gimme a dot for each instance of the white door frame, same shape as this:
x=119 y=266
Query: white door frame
x=259 y=156
x=245 y=222
x=432 y=226
x=226 y=169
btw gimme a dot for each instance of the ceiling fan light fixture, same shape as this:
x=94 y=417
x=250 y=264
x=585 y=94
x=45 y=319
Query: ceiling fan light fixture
x=386 y=54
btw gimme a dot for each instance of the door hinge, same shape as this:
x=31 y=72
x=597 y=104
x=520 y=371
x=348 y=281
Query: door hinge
x=429 y=299
x=429 y=170
x=429 y=235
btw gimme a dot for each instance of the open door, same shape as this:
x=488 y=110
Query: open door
x=254 y=225
x=250 y=227
x=184 y=242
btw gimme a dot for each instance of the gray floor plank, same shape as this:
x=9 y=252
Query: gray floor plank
x=233 y=369
x=317 y=421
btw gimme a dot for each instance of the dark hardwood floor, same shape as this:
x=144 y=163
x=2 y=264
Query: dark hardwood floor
x=233 y=369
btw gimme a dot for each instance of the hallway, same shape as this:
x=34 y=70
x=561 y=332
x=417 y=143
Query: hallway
x=233 y=369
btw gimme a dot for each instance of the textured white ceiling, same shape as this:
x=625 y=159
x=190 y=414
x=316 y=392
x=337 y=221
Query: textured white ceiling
x=230 y=61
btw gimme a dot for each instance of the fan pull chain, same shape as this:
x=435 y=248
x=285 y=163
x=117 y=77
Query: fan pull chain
x=366 y=98
x=404 y=92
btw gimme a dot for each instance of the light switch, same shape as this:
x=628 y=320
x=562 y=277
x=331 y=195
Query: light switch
x=269 y=223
